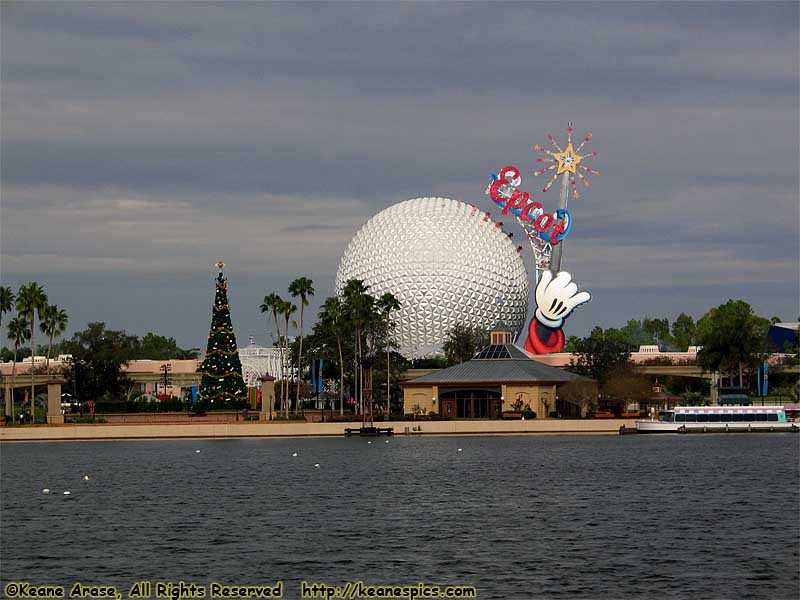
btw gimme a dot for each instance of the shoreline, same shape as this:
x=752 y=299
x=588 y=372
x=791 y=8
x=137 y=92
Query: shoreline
x=260 y=429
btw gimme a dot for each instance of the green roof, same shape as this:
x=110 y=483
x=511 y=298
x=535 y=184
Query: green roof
x=499 y=363
x=735 y=399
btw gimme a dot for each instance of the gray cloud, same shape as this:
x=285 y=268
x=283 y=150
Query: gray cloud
x=142 y=142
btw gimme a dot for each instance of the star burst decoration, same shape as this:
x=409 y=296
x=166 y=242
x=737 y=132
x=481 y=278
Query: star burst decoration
x=567 y=160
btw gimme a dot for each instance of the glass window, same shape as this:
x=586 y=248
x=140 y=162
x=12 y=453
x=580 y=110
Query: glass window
x=772 y=417
x=691 y=418
x=668 y=418
x=761 y=417
x=680 y=418
x=702 y=418
x=714 y=418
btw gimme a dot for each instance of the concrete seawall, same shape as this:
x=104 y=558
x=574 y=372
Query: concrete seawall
x=289 y=429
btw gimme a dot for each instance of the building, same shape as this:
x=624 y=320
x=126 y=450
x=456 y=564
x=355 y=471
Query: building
x=258 y=361
x=784 y=335
x=447 y=262
x=499 y=378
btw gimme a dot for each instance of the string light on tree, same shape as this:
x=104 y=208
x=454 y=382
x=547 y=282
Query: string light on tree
x=222 y=383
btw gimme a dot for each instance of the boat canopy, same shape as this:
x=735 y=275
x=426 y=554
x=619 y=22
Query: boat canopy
x=735 y=399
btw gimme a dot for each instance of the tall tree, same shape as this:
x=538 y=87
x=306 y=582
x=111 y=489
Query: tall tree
x=159 y=347
x=287 y=309
x=732 y=337
x=683 y=332
x=331 y=319
x=304 y=288
x=387 y=304
x=272 y=303
x=18 y=332
x=658 y=329
x=602 y=353
x=98 y=358
x=222 y=383
x=462 y=342
x=359 y=307
x=31 y=301
x=581 y=393
x=625 y=385
x=6 y=302
x=53 y=325
x=635 y=335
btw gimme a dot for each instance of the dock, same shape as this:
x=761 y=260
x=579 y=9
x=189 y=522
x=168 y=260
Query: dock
x=368 y=431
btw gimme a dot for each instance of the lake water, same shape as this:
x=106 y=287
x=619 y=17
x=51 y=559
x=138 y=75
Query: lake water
x=702 y=516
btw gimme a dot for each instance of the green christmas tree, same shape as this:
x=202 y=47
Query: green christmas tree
x=222 y=385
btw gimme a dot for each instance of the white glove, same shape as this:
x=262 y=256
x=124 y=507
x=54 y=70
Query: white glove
x=555 y=298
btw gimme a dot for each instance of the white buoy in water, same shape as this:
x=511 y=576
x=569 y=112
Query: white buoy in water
x=46 y=491
x=197 y=451
x=67 y=493
x=369 y=442
x=459 y=450
x=316 y=465
x=386 y=442
x=295 y=454
x=86 y=478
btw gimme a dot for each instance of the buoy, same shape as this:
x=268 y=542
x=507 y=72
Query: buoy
x=198 y=451
x=369 y=442
x=316 y=465
x=67 y=493
x=86 y=478
x=459 y=449
x=386 y=442
x=295 y=454
x=46 y=491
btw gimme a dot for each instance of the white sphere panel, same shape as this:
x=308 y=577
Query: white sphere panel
x=446 y=263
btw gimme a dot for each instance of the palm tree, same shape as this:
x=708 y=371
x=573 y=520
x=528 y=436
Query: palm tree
x=6 y=302
x=18 y=332
x=304 y=288
x=31 y=300
x=388 y=303
x=53 y=325
x=287 y=310
x=272 y=303
x=359 y=306
x=331 y=316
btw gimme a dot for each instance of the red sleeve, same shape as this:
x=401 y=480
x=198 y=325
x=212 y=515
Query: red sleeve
x=543 y=340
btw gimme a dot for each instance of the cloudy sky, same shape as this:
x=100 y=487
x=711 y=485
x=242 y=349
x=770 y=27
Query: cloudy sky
x=143 y=142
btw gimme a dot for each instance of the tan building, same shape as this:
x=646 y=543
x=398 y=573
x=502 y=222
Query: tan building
x=499 y=378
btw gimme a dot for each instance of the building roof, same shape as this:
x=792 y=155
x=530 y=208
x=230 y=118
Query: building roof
x=501 y=363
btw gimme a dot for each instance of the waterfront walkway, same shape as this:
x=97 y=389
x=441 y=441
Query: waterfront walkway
x=256 y=429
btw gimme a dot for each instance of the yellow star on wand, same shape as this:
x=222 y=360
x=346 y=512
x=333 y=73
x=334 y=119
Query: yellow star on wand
x=567 y=160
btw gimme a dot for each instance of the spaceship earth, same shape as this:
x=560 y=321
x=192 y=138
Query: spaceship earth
x=446 y=262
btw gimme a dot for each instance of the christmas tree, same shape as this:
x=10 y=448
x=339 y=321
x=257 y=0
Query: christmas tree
x=222 y=385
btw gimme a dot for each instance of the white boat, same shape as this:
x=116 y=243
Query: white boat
x=699 y=419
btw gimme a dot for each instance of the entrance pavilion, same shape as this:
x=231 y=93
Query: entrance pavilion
x=501 y=377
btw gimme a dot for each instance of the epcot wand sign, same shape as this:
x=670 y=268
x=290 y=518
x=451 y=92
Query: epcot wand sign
x=556 y=294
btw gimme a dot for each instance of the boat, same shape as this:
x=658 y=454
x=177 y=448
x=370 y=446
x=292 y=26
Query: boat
x=707 y=419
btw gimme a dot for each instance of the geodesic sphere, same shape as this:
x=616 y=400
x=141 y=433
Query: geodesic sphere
x=447 y=264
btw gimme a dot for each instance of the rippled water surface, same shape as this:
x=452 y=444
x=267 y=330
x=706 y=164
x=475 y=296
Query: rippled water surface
x=697 y=516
